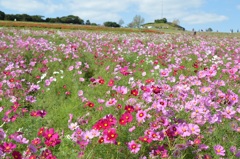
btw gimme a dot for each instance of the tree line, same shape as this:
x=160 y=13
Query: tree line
x=70 y=19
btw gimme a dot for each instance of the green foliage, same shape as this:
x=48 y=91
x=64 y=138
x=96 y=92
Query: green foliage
x=163 y=20
x=2 y=15
x=209 y=30
x=88 y=22
x=111 y=24
x=38 y=18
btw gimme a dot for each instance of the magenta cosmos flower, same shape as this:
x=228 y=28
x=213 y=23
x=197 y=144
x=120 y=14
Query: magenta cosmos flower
x=7 y=147
x=219 y=150
x=134 y=147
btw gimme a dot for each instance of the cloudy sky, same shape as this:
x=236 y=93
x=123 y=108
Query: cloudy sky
x=221 y=15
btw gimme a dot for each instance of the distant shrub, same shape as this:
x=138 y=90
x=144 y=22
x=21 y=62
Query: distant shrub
x=163 y=20
x=111 y=24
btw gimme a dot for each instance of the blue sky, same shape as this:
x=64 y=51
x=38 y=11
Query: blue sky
x=221 y=15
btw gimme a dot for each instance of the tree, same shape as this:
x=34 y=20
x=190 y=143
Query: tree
x=94 y=24
x=175 y=22
x=26 y=17
x=37 y=18
x=88 y=22
x=209 y=30
x=121 y=22
x=2 y=15
x=9 y=17
x=163 y=20
x=111 y=24
x=137 y=21
x=130 y=25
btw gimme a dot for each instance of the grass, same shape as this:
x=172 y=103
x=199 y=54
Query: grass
x=41 y=25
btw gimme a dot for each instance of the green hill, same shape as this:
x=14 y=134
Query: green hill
x=165 y=26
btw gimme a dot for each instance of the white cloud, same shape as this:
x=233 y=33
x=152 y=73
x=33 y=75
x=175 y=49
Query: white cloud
x=33 y=6
x=204 y=18
x=99 y=11
x=186 y=11
x=98 y=16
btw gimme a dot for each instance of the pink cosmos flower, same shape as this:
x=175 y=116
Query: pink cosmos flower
x=219 y=150
x=141 y=115
x=111 y=102
x=211 y=73
x=183 y=130
x=111 y=83
x=53 y=141
x=229 y=112
x=194 y=129
x=163 y=103
x=31 y=99
x=73 y=126
x=134 y=147
x=202 y=74
x=87 y=135
x=81 y=79
x=2 y=134
x=107 y=68
x=111 y=119
x=124 y=71
x=70 y=118
x=71 y=68
x=36 y=141
x=121 y=90
x=233 y=99
x=164 y=72
x=47 y=82
x=7 y=147
x=125 y=118
x=232 y=71
x=80 y=93
x=110 y=135
x=132 y=129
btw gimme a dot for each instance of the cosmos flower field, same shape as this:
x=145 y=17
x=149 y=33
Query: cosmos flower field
x=104 y=95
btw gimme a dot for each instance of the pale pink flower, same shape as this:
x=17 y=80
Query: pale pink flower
x=132 y=129
x=194 y=129
x=164 y=72
x=121 y=90
x=111 y=102
x=80 y=93
x=219 y=150
x=101 y=101
x=81 y=79
x=183 y=130
x=141 y=115
x=202 y=74
x=107 y=68
x=71 y=68
x=73 y=126
x=134 y=147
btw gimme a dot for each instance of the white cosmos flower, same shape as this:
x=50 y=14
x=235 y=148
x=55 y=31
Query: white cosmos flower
x=55 y=72
x=43 y=76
